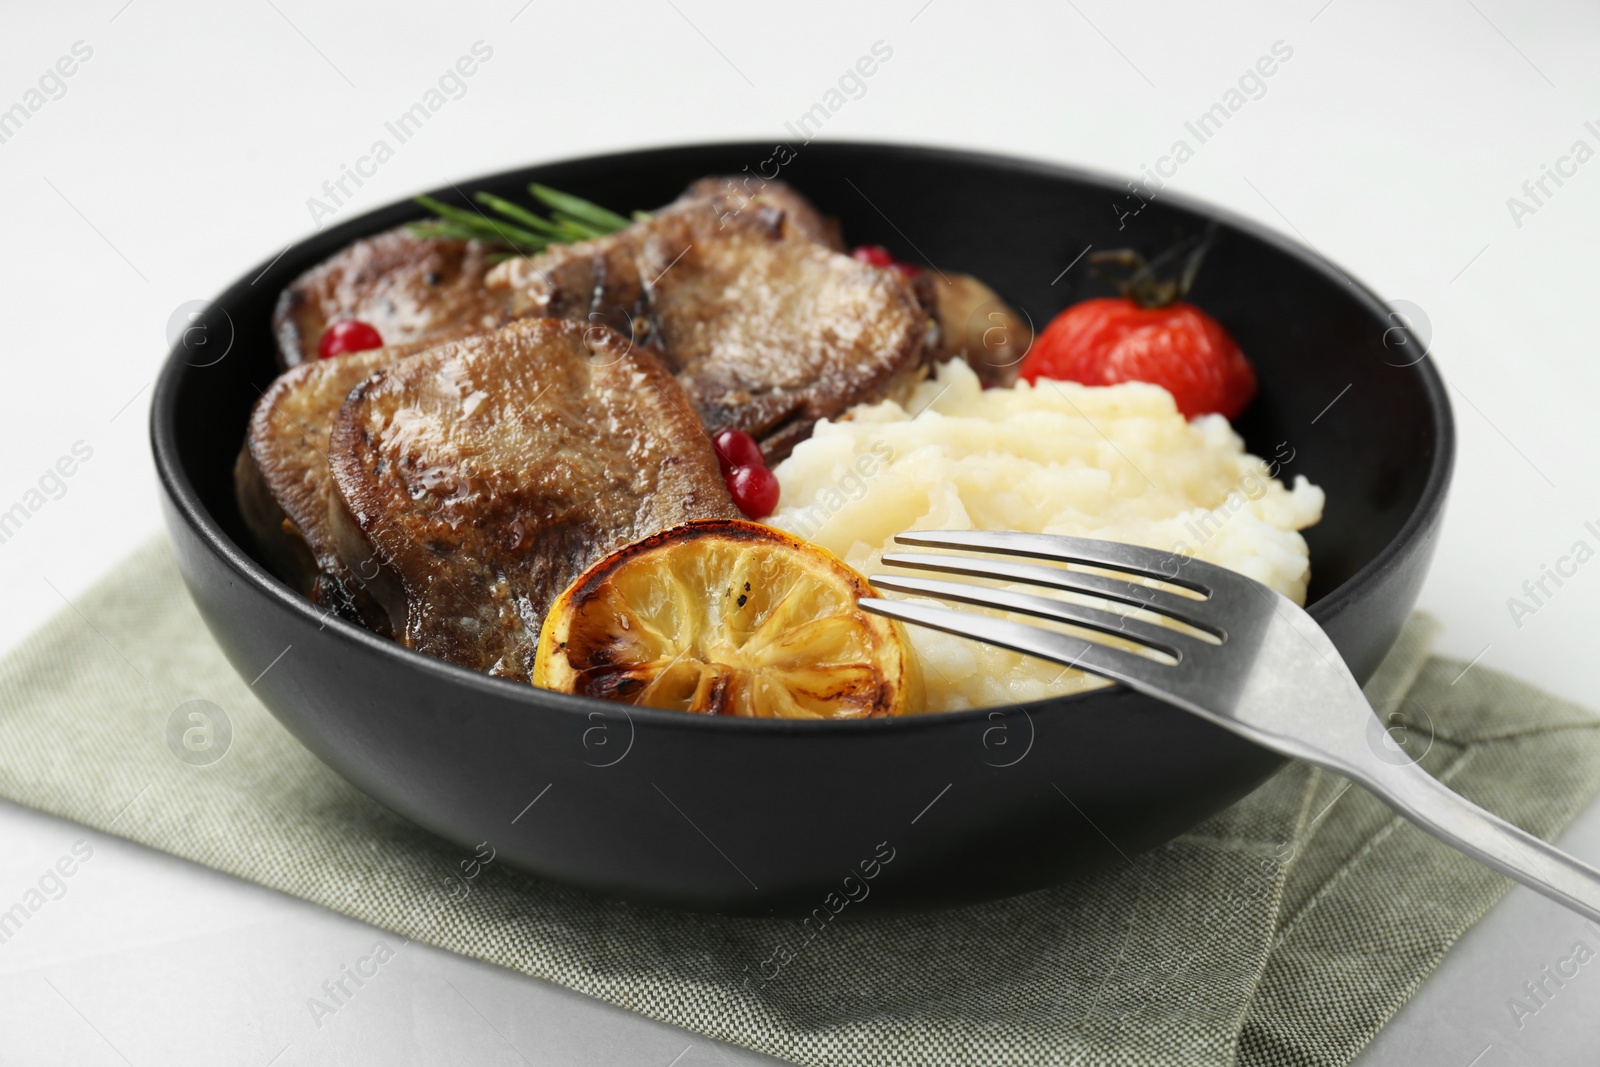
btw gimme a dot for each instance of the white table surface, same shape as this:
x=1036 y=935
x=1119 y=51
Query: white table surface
x=184 y=149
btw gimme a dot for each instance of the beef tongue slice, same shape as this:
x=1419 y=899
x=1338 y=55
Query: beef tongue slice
x=769 y=332
x=284 y=486
x=479 y=478
x=767 y=328
x=409 y=288
x=732 y=195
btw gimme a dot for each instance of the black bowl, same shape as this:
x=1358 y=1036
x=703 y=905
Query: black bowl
x=748 y=817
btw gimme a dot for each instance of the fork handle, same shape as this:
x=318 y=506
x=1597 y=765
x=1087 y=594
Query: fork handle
x=1447 y=815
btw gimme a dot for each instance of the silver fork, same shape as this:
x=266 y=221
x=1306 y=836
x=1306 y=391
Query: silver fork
x=1267 y=672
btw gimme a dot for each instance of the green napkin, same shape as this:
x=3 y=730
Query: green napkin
x=1284 y=931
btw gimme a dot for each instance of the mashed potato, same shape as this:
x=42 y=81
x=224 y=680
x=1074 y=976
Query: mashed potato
x=1117 y=463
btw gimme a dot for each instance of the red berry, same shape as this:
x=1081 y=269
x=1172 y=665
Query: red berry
x=877 y=255
x=755 y=490
x=1178 y=347
x=350 y=335
x=735 y=448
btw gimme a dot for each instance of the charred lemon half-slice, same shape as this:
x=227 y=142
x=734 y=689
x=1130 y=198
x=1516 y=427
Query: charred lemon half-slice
x=724 y=617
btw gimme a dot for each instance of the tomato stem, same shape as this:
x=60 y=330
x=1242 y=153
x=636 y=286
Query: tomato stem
x=1158 y=282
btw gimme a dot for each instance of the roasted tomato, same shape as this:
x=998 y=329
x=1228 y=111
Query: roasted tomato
x=1148 y=334
x=1178 y=347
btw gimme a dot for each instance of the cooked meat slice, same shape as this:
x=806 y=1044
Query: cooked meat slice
x=414 y=288
x=283 y=483
x=736 y=283
x=410 y=288
x=767 y=330
x=481 y=477
x=735 y=194
x=591 y=281
x=276 y=537
x=979 y=327
x=599 y=280
x=770 y=332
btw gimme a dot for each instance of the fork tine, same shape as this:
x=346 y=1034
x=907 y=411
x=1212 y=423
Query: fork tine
x=1065 y=649
x=1149 y=597
x=1174 y=643
x=1170 y=567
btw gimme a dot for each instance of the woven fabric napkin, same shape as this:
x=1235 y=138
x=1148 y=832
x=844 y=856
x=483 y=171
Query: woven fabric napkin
x=1285 y=930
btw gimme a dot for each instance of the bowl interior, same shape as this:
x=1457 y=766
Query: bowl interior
x=1316 y=338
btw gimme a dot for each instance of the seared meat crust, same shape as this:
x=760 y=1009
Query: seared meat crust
x=414 y=288
x=766 y=329
x=769 y=332
x=481 y=477
x=776 y=330
x=733 y=194
x=410 y=288
x=284 y=485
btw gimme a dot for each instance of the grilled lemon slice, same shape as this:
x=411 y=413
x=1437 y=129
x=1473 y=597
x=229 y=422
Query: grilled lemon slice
x=723 y=617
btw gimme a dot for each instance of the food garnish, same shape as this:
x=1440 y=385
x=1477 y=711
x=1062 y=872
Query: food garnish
x=735 y=448
x=1148 y=334
x=753 y=487
x=723 y=617
x=348 y=335
x=879 y=256
x=519 y=229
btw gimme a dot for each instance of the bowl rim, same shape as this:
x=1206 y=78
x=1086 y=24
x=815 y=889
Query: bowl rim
x=186 y=499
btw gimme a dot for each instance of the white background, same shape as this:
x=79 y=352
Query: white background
x=183 y=153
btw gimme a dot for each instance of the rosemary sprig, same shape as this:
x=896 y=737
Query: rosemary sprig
x=517 y=228
x=580 y=210
x=470 y=225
